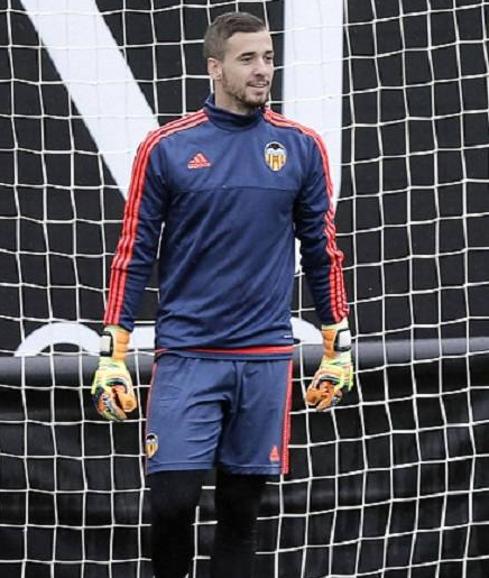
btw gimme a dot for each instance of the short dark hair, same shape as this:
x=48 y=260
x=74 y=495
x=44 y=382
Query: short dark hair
x=224 y=26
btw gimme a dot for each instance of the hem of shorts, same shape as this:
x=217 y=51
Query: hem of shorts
x=230 y=468
x=256 y=469
x=177 y=466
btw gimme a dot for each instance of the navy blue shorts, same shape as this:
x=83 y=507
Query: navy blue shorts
x=210 y=412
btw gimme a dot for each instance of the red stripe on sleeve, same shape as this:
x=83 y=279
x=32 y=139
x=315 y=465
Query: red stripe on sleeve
x=127 y=239
x=339 y=303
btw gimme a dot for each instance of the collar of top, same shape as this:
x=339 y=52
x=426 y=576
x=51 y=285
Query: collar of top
x=230 y=120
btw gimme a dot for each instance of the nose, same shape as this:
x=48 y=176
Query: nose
x=261 y=67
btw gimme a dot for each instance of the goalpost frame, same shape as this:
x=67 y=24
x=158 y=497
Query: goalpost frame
x=369 y=354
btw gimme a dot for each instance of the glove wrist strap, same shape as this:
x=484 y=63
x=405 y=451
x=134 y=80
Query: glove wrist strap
x=114 y=342
x=336 y=339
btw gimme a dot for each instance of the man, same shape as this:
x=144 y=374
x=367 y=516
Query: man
x=232 y=183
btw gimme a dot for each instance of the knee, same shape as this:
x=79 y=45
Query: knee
x=232 y=508
x=173 y=498
x=163 y=508
x=237 y=503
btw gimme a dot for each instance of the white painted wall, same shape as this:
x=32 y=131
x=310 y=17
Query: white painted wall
x=313 y=76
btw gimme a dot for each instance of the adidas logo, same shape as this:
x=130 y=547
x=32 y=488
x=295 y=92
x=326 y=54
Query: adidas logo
x=199 y=161
x=274 y=455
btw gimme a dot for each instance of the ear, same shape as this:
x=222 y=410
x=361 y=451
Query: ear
x=214 y=68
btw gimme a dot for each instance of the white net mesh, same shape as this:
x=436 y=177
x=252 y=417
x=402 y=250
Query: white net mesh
x=392 y=483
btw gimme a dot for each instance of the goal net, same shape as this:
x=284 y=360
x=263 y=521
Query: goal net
x=394 y=482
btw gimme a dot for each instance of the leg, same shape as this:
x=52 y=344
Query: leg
x=174 y=497
x=185 y=412
x=237 y=500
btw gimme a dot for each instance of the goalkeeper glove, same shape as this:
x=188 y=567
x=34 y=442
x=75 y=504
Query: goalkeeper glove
x=112 y=390
x=336 y=369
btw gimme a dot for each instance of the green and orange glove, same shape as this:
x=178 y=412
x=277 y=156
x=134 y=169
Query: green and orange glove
x=112 y=389
x=335 y=372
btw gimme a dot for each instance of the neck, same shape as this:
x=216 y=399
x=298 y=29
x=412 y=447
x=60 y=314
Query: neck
x=233 y=105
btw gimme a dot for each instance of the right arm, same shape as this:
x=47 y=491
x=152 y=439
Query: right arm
x=145 y=209
x=138 y=243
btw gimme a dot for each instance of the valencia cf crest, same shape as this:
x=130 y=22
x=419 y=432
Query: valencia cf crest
x=151 y=445
x=275 y=155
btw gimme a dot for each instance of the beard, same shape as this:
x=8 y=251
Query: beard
x=243 y=95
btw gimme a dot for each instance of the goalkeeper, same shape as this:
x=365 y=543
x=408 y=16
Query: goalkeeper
x=233 y=184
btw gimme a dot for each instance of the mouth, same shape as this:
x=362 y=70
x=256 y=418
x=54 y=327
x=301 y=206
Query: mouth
x=259 y=85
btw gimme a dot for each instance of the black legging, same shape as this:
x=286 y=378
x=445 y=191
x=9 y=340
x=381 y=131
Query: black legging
x=174 y=496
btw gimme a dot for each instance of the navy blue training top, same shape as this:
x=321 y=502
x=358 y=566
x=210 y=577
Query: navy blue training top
x=232 y=192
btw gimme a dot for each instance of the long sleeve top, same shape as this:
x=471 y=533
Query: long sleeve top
x=216 y=199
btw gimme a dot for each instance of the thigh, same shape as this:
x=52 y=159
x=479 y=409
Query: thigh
x=184 y=417
x=256 y=436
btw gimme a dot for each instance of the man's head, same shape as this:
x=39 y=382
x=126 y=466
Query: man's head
x=239 y=53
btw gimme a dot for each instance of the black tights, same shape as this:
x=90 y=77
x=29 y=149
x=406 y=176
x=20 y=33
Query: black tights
x=174 y=496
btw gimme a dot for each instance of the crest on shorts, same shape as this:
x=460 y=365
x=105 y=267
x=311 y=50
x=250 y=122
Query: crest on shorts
x=151 y=445
x=275 y=155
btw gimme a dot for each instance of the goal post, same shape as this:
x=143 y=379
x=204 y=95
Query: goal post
x=391 y=483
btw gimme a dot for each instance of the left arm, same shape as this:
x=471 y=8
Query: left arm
x=314 y=221
x=322 y=264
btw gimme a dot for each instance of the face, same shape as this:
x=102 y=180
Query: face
x=243 y=79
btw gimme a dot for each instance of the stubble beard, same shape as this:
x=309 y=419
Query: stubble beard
x=239 y=95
